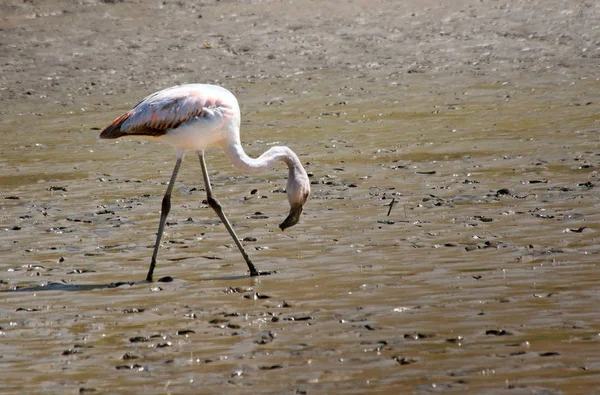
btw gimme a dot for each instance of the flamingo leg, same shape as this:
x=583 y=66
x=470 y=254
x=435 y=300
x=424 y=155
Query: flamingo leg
x=164 y=212
x=215 y=205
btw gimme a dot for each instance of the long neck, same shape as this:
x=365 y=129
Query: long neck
x=238 y=157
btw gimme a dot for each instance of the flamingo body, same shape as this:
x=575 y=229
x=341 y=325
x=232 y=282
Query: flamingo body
x=191 y=118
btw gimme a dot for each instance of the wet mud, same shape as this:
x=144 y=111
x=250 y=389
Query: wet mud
x=450 y=243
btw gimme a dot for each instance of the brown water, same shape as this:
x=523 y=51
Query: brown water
x=461 y=288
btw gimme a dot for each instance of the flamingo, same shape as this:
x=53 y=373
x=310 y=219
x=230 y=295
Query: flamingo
x=194 y=117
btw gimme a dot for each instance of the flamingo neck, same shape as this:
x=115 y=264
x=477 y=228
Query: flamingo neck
x=241 y=160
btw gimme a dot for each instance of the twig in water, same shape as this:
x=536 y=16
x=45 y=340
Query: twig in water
x=392 y=203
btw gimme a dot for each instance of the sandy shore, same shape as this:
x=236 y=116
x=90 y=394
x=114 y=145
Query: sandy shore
x=65 y=53
x=479 y=118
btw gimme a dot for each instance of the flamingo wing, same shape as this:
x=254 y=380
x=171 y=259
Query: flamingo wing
x=160 y=112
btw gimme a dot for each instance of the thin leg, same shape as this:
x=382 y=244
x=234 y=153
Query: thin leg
x=214 y=203
x=164 y=212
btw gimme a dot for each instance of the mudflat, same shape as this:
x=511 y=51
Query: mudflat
x=449 y=243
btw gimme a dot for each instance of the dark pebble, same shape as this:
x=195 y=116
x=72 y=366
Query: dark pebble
x=497 y=332
x=503 y=191
x=256 y=295
x=138 y=339
x=403 y=360
x=266 y=338
x=417 y=336
x=272 y=367
x=120 y=283
x=133 y=311
x=257 y=217
x=129 y=367
x=491 y=244
x=185 y=332
x=102 y=212
x=549 y=354
x=165 y=279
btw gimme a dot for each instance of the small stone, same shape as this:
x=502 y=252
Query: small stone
x=138 y=339
x=166 y=279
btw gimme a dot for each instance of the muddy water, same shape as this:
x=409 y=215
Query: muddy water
x=483 y=277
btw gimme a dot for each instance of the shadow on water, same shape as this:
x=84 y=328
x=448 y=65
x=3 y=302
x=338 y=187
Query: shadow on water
x=241 y=277
x=55 y=286
x=70 y=287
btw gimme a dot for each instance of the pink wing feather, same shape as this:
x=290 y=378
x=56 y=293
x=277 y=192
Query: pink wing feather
x=161 y=112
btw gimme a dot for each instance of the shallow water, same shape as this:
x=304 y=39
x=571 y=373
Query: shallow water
x=462 y=287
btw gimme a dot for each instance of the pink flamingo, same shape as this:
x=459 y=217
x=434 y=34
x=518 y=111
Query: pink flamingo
x=191 y=118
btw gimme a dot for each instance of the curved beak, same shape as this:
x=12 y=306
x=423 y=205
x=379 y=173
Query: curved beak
x=293 y=218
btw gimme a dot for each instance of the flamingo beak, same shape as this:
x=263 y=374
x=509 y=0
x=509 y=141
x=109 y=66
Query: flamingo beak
x=293 y=218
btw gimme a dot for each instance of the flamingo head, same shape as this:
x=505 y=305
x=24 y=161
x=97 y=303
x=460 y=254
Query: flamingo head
x=298 y=191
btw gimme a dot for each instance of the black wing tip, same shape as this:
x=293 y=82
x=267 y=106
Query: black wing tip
x=113 y=131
